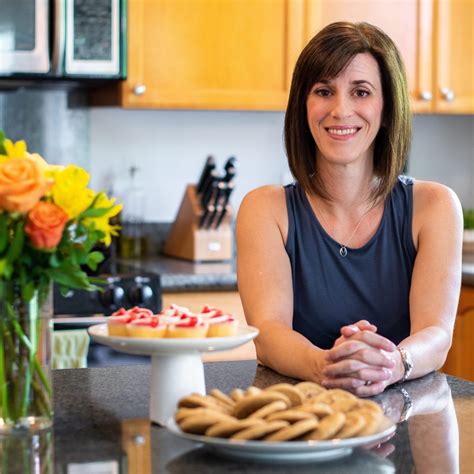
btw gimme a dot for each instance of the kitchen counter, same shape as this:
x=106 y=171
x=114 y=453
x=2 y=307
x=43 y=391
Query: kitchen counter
x=101 y=415
x=178 y=276
x=182 y=276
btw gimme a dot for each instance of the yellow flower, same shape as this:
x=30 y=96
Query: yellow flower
x=70 y=190
x=102 y=223
x=14 y=150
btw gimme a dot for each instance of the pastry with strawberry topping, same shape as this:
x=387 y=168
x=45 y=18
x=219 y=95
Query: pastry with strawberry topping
x=188 y=327
x=117 y=322
x=222 y=325
x=149 y=328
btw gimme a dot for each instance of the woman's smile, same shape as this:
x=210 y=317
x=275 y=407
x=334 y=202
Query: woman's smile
x=342 y=133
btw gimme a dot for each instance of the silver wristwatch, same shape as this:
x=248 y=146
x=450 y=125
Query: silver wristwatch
x=407 y=363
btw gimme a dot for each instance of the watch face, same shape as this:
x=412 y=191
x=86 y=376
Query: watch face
x=407 y=363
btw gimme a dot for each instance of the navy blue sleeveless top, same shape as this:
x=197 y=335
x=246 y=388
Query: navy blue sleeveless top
x=372 y=282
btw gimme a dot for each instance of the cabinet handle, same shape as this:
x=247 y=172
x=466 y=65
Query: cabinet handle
x=139 y=89
x=139 y=440
x=447 y=94
x=426 y=95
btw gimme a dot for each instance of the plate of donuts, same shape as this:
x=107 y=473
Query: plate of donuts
x=283 y=422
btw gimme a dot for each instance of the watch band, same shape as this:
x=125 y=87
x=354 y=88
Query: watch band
x=407 y=405
x=407 y=363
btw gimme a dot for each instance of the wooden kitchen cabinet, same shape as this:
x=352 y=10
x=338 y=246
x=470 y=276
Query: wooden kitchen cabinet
x=435 y=39
x=228 y=301
x=460 y=361
x=136 y=444
x=211 y=54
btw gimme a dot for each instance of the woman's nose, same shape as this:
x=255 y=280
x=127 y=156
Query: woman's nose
x=342 y=106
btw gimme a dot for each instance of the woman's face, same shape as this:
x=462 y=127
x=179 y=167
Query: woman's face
x=344 y=113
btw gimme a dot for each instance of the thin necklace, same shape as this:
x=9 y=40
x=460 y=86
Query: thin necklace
x=343 y=247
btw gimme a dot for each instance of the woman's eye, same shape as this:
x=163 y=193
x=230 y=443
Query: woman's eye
x=322 y=92
x=362 y=93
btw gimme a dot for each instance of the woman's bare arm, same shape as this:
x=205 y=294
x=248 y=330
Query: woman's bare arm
x=436 y=280
x=265 y=285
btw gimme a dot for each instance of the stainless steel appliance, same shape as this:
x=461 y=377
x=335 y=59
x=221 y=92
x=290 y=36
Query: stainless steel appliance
x=124 y=286
x=63 y=38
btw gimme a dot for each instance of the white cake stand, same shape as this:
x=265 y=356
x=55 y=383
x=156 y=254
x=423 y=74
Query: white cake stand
x=176 y=364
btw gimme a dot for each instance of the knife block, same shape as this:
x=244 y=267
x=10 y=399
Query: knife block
x=187 y=241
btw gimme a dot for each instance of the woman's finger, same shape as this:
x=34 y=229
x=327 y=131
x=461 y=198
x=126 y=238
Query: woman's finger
x=363 y=325
x=354 y=343
x=347 y=383
x=356 y=369
x=344 y=367
x=371 y=374
x=366 y=354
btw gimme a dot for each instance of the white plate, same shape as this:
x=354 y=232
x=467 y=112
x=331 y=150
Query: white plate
x=287 y=451
x=141 y=346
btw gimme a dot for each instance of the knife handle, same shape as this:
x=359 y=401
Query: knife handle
x=205 y=215
x=217 y=198
x=230 y=173
x=225 y=204
x=208 y=188
x=209 y=165
x=232 y=161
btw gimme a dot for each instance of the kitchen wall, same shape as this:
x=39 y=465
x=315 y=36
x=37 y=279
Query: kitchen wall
x=170 y=147
x=54 y=122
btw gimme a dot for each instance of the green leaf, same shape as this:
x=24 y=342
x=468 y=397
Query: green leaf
x=54 y=261
x=3 y=151
x=5 y=268
x=17 y=243
x=99 y=212
x=27 y=291
x=3 y=231
x=93 y=259
x=70 y=276
x=76 y=279
x=469 y=218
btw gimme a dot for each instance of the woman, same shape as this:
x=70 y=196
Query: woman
x=352 y=274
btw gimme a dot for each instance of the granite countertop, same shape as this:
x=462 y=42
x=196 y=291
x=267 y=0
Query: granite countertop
x=101 y=415
x=181 y=275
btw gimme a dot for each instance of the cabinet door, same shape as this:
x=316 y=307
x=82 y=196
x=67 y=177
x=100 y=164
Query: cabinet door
x=454 y=20
x=212 y=54
x=460 y=361
x=407 y=22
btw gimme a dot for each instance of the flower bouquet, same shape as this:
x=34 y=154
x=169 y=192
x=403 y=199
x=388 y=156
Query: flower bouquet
x=50 y=222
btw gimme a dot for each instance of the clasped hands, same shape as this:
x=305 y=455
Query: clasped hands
x=361 y=361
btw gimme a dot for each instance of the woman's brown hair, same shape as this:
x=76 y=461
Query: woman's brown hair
x=324 y=57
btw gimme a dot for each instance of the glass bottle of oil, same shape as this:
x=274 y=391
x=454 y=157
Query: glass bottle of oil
x=133 y=242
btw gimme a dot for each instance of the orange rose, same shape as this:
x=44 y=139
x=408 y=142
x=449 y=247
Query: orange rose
x=45 y=225
x=22 y=184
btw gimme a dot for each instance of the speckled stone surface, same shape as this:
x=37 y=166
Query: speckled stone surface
x=92 y=407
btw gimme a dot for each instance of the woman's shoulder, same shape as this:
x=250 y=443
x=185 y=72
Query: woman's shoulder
x=428 y=194
x=266 y=198
x=264 y=205
x=434 y=204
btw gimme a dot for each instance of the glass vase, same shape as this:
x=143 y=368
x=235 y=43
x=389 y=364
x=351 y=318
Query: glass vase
x=25 y=355
x=27 y=454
